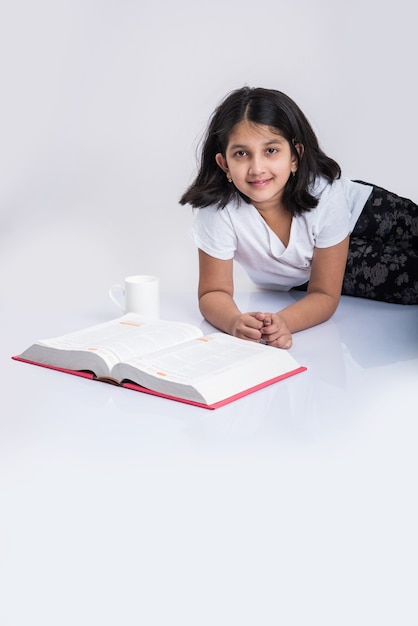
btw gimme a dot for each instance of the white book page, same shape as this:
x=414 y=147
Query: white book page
x=202 y=358
x=124 y=338
x=195 y=359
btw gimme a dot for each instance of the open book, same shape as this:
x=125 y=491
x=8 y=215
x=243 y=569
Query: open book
x=164 y=358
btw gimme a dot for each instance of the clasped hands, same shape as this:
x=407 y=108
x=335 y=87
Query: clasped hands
x=268 y=328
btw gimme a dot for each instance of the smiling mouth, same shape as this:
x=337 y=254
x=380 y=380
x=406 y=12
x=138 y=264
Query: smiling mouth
x=260 y=183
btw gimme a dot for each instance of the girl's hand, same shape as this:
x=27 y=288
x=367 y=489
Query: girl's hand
x=248 y=326
x=275 y=332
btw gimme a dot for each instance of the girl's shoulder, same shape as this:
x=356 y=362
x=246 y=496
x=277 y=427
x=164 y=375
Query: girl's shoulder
x=214 y=213
x=321 y=188
x=342 y=190
x=342 y=185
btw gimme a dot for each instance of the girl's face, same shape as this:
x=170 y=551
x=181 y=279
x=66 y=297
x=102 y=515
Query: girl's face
x=259 y=162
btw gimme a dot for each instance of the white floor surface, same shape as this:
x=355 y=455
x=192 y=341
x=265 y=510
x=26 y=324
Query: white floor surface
x=295 y=506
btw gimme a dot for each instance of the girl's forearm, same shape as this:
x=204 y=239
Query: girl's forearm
x=219 y=308
x=312 y=309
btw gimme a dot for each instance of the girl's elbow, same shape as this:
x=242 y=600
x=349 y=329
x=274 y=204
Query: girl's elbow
x=327 y=304
x=333 y=302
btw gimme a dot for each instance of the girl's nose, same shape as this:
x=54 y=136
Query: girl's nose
x=256 y=166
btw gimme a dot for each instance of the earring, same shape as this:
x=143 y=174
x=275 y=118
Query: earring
x=228 y=178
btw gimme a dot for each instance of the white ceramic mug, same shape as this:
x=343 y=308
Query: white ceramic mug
x=141 y=294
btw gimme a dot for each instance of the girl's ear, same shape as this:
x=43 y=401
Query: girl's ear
x=221 y=161
x=299 y=147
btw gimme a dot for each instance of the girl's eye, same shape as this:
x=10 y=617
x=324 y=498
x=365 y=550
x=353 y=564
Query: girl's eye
x=272 y=150
x=240 y=153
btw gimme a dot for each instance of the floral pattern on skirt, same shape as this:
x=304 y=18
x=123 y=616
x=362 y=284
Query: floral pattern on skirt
x=382 y=260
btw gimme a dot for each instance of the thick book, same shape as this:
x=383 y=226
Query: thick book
x=169 y=359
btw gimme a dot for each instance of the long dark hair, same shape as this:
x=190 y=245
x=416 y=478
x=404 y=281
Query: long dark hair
x=274 y=109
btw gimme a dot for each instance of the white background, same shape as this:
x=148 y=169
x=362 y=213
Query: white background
x=103 y=104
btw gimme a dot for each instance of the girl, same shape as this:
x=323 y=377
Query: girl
x=271 y=199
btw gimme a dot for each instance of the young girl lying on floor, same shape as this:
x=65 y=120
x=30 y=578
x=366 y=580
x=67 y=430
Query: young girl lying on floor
x=271 y=199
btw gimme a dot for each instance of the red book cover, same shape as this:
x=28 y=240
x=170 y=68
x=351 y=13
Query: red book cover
x=135 y=387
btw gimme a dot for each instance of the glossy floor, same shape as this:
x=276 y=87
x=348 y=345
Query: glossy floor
x=296 y=505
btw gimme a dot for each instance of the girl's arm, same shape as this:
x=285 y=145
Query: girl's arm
x=322 y=298
x=216 y=290
x=218 y=307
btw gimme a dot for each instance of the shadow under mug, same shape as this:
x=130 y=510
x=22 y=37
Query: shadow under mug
x=138 y=294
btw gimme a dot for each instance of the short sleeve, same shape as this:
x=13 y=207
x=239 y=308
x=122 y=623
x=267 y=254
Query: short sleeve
x=213 y=232
x=333 y=224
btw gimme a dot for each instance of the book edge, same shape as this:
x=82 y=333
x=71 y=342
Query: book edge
x=136 y=387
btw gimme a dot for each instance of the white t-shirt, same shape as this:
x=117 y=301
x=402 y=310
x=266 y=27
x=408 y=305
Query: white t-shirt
x=239 y=232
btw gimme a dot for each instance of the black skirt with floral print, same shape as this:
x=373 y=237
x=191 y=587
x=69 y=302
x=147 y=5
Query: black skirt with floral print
x=382 y=260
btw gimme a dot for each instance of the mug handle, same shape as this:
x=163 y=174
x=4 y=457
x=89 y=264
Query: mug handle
x=114 y=298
